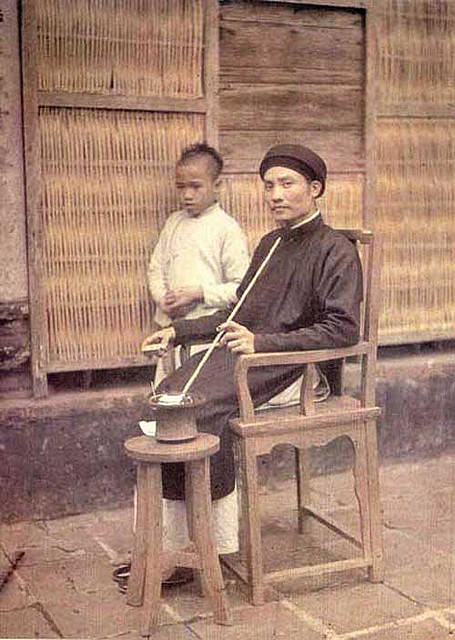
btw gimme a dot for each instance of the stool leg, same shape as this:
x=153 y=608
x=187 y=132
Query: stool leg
x=135 y=594
x=200 y=503
x=153 y=574
x=189 y=518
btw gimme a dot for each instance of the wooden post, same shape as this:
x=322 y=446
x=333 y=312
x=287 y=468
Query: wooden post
x=211 y=70
x=369 y=194
x=32 y=191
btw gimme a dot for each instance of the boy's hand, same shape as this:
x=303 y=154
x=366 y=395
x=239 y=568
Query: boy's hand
x=237 y=338
x=179 y=301
x=159 y=341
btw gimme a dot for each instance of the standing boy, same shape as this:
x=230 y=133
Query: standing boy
x=201 y=255
x=196 y=267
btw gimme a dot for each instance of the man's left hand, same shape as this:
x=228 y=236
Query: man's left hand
x=237 y=338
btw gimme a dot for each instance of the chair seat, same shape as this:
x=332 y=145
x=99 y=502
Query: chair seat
x=334 y=410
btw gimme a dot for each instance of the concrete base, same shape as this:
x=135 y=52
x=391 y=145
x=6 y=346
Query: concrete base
x=64 y=454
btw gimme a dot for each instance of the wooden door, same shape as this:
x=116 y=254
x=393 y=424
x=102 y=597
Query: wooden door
x=297 y=72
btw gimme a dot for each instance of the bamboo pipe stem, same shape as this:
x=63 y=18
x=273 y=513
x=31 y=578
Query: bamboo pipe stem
x=218 y=337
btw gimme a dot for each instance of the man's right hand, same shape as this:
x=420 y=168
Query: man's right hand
x=159 y=342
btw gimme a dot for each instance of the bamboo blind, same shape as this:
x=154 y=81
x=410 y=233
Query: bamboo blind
x=108 y=184
x=127 y=47
x=416 y=51
x=416 y=165
x=416 y=213
x=242 y=196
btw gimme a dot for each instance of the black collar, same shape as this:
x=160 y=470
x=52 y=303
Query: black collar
x=289 y=233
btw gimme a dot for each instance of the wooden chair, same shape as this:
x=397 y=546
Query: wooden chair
x=308 y=425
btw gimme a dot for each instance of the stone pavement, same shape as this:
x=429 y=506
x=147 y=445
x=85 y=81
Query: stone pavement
x=63 y=588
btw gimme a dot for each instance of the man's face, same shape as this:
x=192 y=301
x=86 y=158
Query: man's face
x=290 y=196
x=196 y=186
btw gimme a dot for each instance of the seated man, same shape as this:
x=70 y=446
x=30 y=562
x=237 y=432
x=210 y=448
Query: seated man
x=307 y=297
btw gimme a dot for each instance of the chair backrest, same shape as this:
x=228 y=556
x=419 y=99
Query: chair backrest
x=367 y=246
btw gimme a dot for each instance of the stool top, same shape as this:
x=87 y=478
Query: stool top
x=147 y=449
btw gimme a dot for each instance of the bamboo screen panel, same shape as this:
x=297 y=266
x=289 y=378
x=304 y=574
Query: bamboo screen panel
x=416 y=165
x=416 y=214
x=108 y=184
x=127 y=47
x=416 y=51
x=242 y=197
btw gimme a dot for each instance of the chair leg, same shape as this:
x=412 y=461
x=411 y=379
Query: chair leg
x=302 y=477
x=238 y=466
x=135 y=594
x=250 y=515
x=153 y=573
x=199 y=499
x=376 y=571
x=361 y=488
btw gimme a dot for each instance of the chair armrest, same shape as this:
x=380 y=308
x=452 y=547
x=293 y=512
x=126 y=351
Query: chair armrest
x=247 y=361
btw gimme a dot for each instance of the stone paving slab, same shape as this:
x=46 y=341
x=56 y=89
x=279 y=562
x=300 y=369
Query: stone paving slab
x=86 y=574
x=432 y=586
x=168 y=632
x=429 y=629
x=403 y=551
x=270 y=622
x=14 y=597
x=353 y=607
x=85 y=616
x=27 y=622
x=63 y=586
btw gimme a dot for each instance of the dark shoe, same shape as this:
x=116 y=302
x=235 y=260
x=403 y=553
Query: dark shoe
x=122 y=572
x=181 y=575
x=122 y=586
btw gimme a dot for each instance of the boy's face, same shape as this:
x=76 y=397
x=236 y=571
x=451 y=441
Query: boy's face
x=196 y=186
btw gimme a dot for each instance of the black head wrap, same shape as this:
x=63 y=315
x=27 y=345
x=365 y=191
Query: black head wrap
x=298 y=158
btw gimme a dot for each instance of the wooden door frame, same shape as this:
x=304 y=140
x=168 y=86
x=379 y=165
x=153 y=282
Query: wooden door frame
x=32 y=101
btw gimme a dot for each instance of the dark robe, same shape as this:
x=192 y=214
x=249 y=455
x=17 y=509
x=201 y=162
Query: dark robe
x=308 y=297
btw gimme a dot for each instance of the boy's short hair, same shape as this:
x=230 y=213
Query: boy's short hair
x=201 y=149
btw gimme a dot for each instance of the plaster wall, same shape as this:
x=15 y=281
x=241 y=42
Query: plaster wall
x=13 y=254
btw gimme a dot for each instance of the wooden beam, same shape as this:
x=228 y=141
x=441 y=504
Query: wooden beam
x=106 y=363
x=369 y=193
x=317 y=569
x=131 y=103
x=341 y=149
x=32 y=191
x=415 y=337
x=417 y=110
x=211 y=70
x=348 y=4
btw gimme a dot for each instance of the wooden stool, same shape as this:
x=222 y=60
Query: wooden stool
x=149 y=560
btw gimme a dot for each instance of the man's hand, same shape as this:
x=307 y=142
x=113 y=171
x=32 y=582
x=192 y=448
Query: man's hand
x=178 y=302
x=159 y=342
x=237 y=338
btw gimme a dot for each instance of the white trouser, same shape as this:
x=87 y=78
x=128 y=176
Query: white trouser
x=175 y=526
